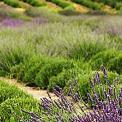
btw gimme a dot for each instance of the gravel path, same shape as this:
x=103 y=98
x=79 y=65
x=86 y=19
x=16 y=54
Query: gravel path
x=35 y=92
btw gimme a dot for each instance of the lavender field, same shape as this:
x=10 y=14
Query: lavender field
x=78 y=58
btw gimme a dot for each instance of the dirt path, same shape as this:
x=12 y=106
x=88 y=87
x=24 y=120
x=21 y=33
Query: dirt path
x=35 y=92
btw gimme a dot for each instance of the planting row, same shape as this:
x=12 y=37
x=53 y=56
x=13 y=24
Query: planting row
x=69 y=7
x=47 y=72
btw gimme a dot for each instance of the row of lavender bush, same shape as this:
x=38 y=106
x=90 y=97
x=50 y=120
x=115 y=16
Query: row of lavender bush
x=74 y=109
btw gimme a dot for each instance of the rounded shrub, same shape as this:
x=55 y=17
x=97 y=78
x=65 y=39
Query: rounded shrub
x=27 y=70
x=115 y=64
x=89 y=3
x=33 y=66
x=86 y=50
x=84 y=81
x=12 y=56
x=12 y=108
x=17 y=71
x=102 y=58
x=61 y=79
x=13 y=3
x=61 y=3
x=7 y=92
x=50 y=69
x=36 y=3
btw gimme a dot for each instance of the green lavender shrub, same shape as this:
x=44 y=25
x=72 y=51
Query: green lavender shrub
x=11 y=57
x=51 y=69
x=102 y=58
x=13 y=3
x=69 y=11
x=61 y=79
x=35 y=3
x=12 y=108
x=115 y=64
x=89 y=3
x=85 y=86
x=61 y=3
x=10 y=91
x=86 y=50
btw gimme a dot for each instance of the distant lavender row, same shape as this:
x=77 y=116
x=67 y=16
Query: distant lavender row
x=9 y=22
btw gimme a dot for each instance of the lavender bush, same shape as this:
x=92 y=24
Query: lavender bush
x=74 y=109
x=11 y=22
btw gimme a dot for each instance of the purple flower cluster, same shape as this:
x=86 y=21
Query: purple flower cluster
x=11 y=22
x=104 y=111
x=64 y=109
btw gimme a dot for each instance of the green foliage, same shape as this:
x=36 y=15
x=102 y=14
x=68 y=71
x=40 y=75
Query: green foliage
x=51 y=69
x=33 y=66
x=61 y=79
x=102 y=58
x=33 y=12
x=89 y=3
x=111 y=59
x=13 y=3
x=11 y=92
x=68 y=11
x=17 y=71
x=35 y=3
x=102 y=87
x=86 y=50
x=12 y=108
x=84 y=85
x=66 y=5
x=119 y=6
x=26 y=71
x=12 y=13
x=115 y=64
x=111 y=77
x=62 y=3
x=11 y=57
x=3 y=84
x=84 y=82
x=111 y=3
x=12 y=101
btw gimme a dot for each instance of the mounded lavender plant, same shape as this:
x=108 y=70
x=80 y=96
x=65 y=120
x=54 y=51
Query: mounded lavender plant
x=74 y=109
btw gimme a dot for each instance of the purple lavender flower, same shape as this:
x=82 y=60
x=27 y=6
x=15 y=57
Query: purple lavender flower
x=97 y=77
x=11 y=22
